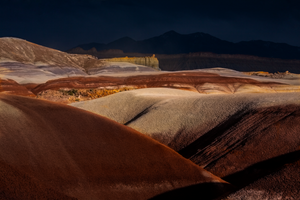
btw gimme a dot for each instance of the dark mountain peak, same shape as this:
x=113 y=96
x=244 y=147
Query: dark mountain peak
x=171 y=34
x=124 y=39
x=126 y=44
x=201 y=35
x=265 y=43
x=172 y=42
x=91 y=45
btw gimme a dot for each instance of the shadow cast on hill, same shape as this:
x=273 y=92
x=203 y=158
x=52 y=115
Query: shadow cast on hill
x=214 y=191
x=211 y=135
x=261 y=169
x=207 y=191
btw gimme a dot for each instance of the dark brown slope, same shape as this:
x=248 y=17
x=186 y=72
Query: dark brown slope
x=87 y=156
x=253 y=144
x=182 y=80
x=11 y=87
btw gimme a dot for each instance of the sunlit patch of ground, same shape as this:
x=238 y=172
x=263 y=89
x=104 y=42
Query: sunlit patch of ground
x=68 y=95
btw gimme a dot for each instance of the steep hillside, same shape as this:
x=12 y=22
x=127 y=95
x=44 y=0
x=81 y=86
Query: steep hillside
x=26 y=62
x=18 y=50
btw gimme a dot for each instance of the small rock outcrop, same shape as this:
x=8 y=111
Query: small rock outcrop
x=147 y=61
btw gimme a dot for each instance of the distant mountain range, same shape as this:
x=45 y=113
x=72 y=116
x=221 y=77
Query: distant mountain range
x=174 y=43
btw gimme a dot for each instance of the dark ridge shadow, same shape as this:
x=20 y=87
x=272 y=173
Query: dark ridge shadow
x=261 y=169
x=207 y=191
x=211 y=135
x=217 y=191
x=145 y=111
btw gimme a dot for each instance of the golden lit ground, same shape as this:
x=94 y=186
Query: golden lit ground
x=67 y=96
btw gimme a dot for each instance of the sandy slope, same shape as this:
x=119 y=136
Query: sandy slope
x=166 y=114
x=227 y=134
x=87 y=156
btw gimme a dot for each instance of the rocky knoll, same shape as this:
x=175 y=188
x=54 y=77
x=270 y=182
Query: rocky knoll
x=26 y=62
x=242 y=138
x=147 y=61
x=86 y=156
x=18 y=50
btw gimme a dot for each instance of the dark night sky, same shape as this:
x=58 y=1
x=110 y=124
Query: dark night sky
x=64 y=24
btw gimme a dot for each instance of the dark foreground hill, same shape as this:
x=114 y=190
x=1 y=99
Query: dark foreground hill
x=52 y=151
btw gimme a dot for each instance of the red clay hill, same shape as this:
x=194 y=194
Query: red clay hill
x=86 y=156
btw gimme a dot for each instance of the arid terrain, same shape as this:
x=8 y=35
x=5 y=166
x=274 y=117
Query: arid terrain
x=77 y=127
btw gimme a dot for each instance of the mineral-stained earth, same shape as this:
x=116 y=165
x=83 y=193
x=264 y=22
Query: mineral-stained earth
x=78 y=127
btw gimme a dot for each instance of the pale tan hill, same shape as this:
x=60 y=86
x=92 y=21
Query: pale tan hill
x=228 y=135
x=87 y=156
x=166 y=114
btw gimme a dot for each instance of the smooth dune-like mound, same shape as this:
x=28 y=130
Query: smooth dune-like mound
x=227 y=134
x=87 y=156
x=169 y=114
